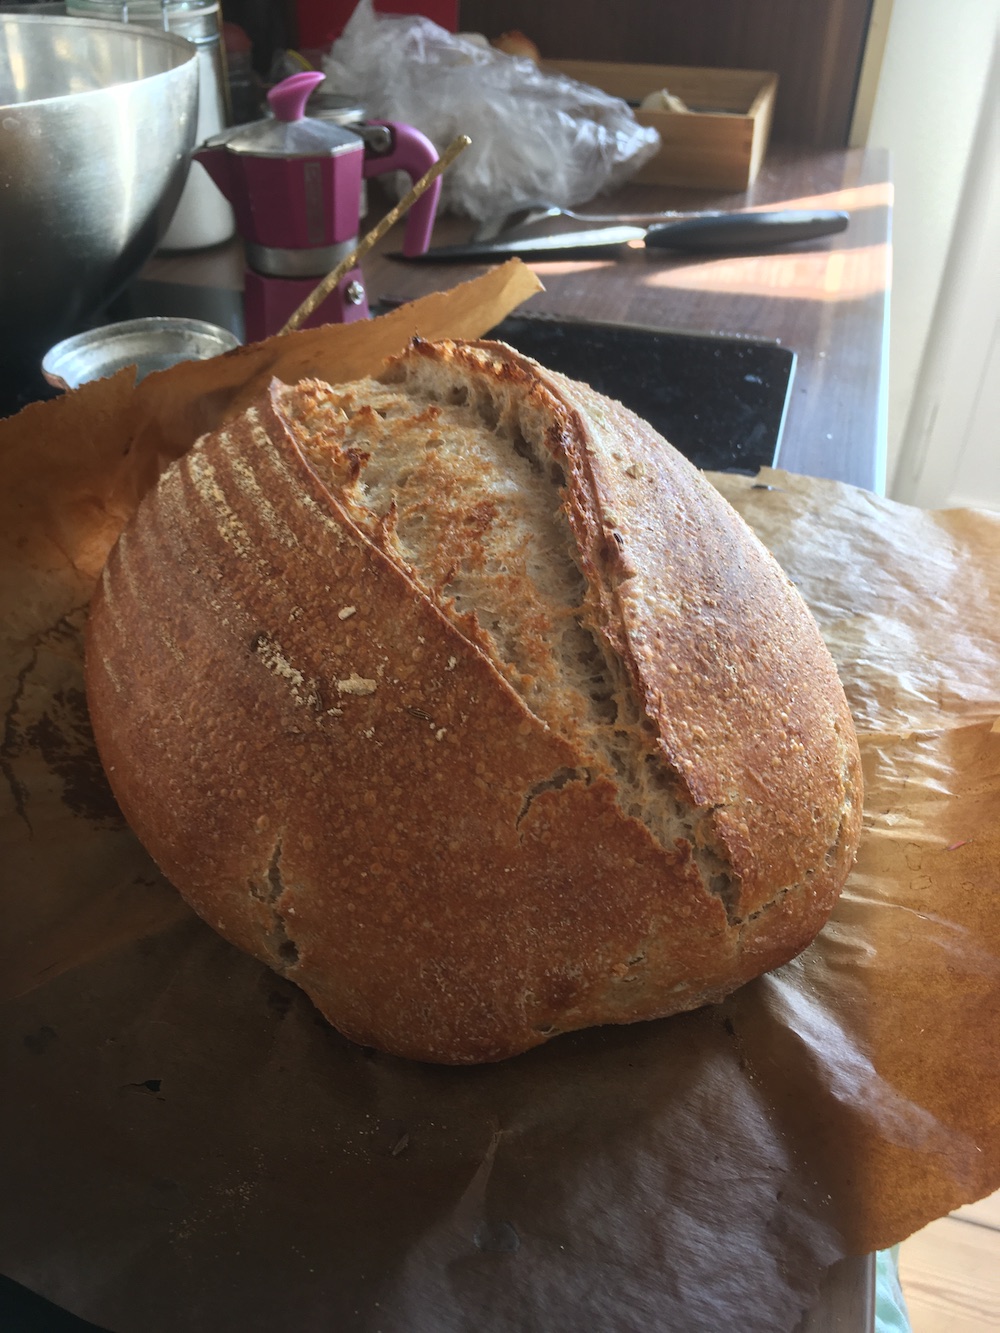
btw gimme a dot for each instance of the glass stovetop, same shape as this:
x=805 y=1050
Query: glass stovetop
x=720 y=400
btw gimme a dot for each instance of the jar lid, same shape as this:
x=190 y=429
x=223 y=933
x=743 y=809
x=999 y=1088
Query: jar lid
x=152 y=343
x=160 y=13
x=336 y=107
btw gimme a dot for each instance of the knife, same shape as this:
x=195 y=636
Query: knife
x=709 y=233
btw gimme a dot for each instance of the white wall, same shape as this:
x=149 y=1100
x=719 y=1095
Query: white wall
x=930 y=100
x=950 y=450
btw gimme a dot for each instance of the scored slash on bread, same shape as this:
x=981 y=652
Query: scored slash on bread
x=464 y=701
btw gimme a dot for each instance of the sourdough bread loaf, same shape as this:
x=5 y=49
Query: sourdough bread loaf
x=461 y=699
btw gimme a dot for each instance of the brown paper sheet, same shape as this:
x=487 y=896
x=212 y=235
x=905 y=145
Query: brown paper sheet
x=187 y=1145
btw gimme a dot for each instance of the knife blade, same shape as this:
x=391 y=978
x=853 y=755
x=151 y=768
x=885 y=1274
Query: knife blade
x=709 y=233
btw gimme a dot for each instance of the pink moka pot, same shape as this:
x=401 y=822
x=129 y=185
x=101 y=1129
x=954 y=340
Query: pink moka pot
x=295 y=185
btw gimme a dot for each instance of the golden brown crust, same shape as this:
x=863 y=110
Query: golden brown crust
x=745 y=697
x=338 y=778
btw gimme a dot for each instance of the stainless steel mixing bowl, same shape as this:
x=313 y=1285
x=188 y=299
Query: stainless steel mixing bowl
x=97 y=124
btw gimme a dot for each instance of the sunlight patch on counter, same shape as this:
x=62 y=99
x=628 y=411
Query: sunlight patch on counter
x=817 y=275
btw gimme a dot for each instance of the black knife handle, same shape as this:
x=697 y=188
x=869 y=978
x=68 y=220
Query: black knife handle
x=746 y=231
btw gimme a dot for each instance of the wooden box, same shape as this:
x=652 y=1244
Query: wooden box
x=718 y=143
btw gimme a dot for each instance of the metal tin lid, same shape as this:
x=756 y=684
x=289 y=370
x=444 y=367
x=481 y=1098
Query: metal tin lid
x=335 y=107
x=153 y=343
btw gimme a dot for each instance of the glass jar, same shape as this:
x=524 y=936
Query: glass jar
x=203 y=217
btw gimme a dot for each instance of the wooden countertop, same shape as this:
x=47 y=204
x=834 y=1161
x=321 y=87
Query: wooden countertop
x=826 y=300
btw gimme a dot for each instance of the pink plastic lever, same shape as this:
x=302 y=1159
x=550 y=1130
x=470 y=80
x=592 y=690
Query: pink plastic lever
x=413 y=153
x=288 y=98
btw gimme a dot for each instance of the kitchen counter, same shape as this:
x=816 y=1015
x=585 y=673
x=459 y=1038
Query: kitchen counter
x=826 y=300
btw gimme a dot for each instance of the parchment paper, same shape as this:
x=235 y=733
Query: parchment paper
x=187 y=1145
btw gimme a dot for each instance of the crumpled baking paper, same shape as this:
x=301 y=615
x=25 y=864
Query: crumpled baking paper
x=188 y=1145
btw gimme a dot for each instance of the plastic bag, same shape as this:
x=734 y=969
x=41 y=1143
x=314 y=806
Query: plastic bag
x=536 y=137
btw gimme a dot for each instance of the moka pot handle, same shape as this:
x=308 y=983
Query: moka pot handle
x=412 y=152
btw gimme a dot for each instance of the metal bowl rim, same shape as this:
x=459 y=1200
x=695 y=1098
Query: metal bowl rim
x=131 y=32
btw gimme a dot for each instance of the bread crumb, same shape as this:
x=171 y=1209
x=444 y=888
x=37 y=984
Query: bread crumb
x=440 y=733
x=346 y=612
x=304 y=693
x=355 y=684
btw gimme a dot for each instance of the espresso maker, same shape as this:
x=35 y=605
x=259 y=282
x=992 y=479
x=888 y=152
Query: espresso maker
x=295 y=186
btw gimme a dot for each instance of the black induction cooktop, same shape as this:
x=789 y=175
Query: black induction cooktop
x=720 y=400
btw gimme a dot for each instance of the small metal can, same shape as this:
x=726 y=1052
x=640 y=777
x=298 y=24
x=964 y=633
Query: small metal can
x=148 y=344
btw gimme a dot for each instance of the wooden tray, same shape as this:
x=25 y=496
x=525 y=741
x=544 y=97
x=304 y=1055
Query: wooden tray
x=720 y=142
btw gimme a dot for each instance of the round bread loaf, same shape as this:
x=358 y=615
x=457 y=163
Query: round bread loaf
x=461 y=699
